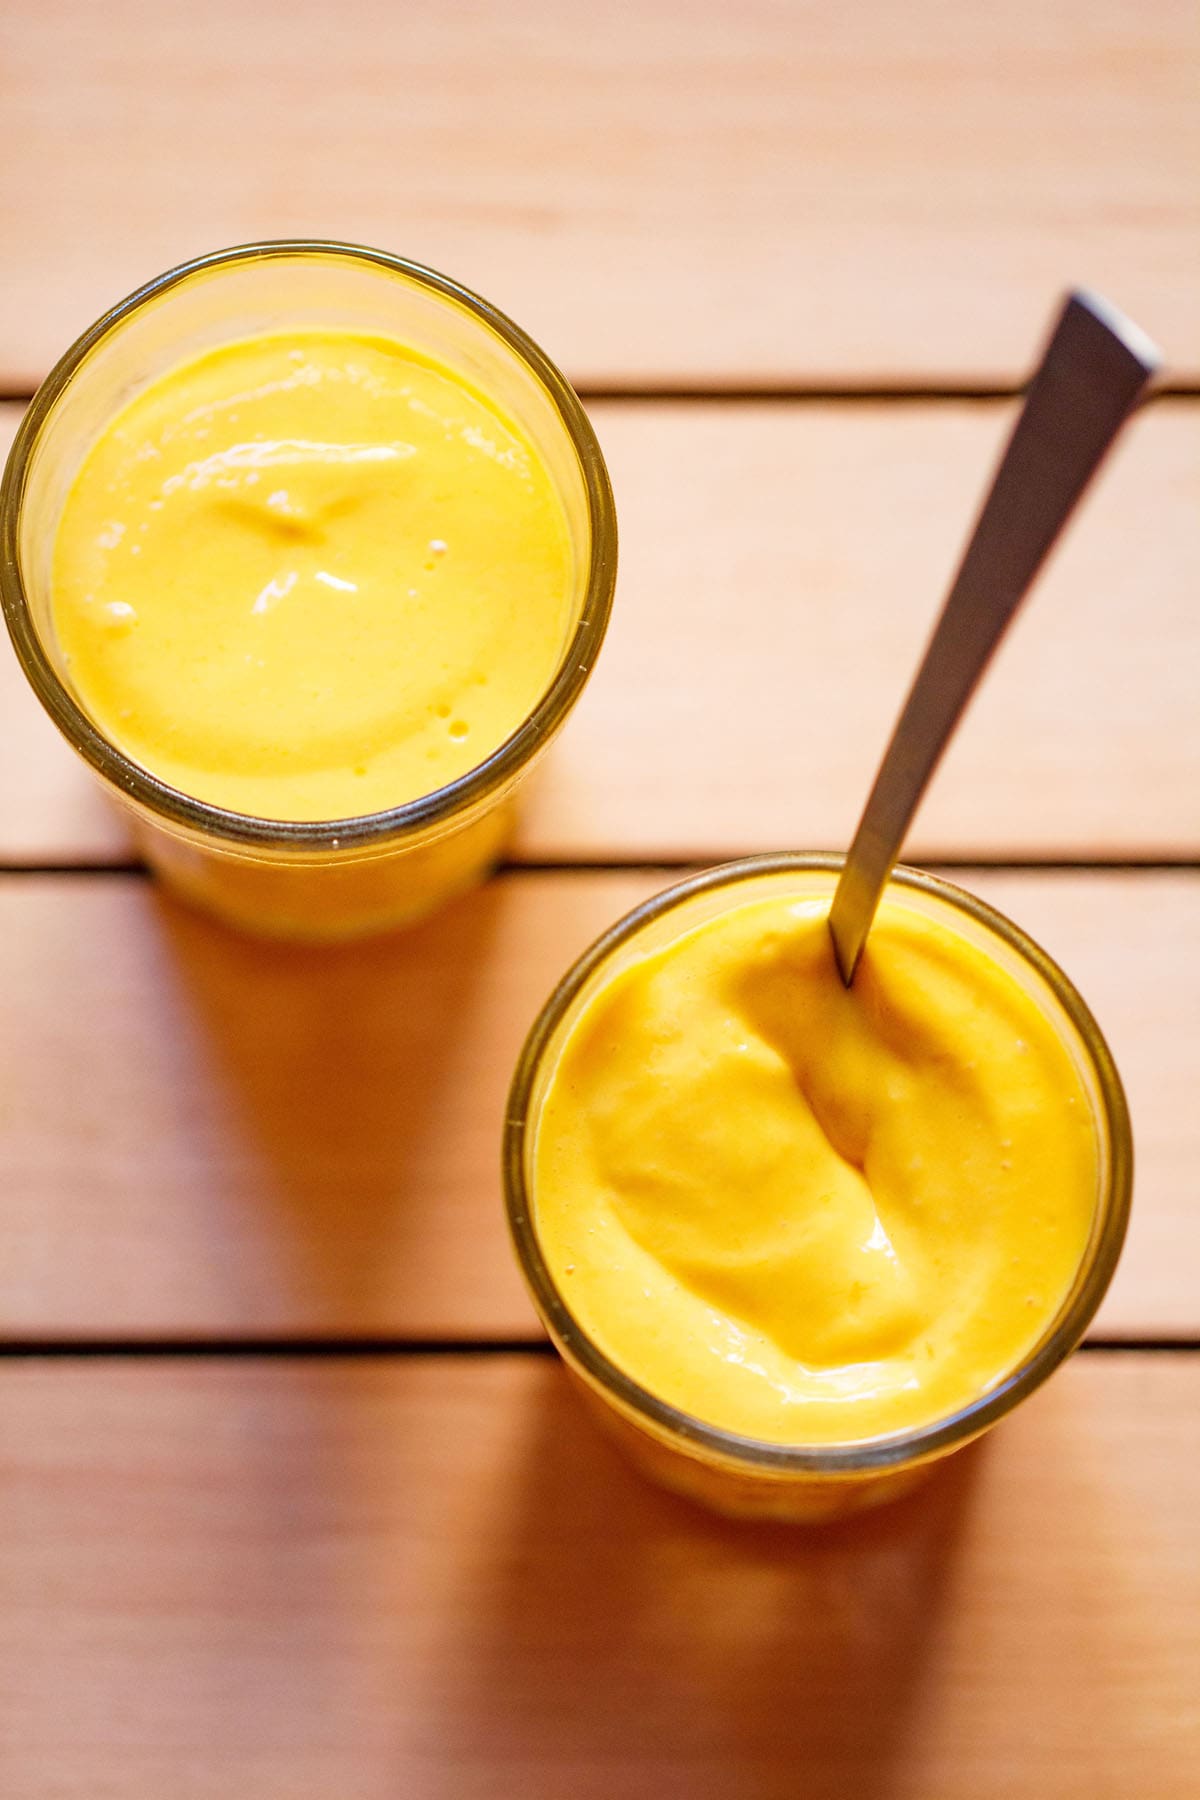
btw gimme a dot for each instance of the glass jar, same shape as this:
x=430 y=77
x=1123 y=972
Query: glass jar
x=305 y=879
x=739 y=1475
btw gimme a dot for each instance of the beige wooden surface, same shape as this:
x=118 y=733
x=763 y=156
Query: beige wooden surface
x=435 y=1579
x=341 y=1577
x=675 y=191
x=780 y=568
x=202 y=1136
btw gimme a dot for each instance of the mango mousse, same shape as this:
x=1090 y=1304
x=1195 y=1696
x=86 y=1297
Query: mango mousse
x=311 y=575
x=806 y=1214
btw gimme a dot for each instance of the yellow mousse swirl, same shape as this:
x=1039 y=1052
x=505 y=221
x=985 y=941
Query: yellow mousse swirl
x=311 y=574
x=807 y=1214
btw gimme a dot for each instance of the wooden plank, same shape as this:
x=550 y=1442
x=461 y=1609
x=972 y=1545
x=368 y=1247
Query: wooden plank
x=781 y=567
x=201 y=1136
x=436 y=1578
x=676 y=193
x=782 y=570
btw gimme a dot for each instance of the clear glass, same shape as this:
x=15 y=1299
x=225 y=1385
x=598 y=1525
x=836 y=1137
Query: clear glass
x=743 y=1476
x=341 y=877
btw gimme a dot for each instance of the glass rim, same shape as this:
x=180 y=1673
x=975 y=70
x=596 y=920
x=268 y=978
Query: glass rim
x=385 y=828
x=855 y=1456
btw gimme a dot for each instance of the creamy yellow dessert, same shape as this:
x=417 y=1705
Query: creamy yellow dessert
x=807 y=1214
x=310 y=575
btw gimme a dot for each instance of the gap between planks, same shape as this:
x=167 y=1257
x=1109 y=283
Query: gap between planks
x=905 y=393
x=683 y=865
x=398 y=1348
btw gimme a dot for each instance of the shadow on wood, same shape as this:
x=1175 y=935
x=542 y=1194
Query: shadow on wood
x=334 y=1065
x=616 y=1627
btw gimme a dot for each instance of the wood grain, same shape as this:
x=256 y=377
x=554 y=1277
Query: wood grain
x=294 y=1580
x=673 y=192
x=201 y=1136
x=781 y=568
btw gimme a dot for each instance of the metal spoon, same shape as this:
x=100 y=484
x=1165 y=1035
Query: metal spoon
x=1096 y=364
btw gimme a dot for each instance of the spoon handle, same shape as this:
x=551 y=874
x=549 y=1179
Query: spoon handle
x=1095 y=366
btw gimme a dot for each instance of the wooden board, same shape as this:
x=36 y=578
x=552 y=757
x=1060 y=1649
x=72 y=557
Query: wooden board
x=675 y=192
x=781 y=568
x=288 y=1581
x=201 y=1136
x=276 y=1576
